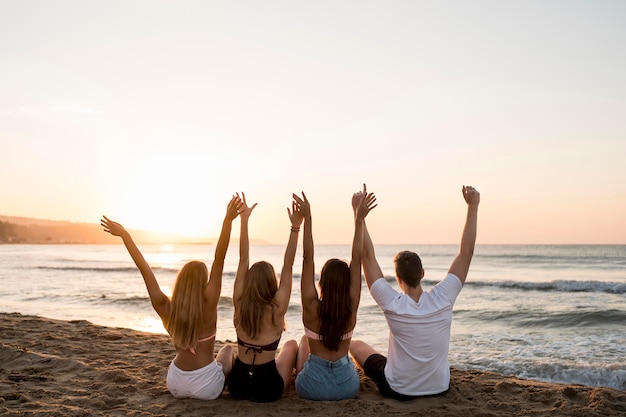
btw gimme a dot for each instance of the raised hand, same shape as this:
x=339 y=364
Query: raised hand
x=244 y=210
x=303 y=205
x=300 y=209
x=112 y=227
x=363 y=202
x=471 y=196
x=357 y=197
x=366 y=204
x=234 y=205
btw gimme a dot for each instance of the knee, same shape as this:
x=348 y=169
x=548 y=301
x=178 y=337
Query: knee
x=291 y=345
x=355 y=345
x=226 y=356
x=360 y=351
x=227 y=350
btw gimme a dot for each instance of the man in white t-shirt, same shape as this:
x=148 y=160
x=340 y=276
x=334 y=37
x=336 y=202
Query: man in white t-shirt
x=419 y=321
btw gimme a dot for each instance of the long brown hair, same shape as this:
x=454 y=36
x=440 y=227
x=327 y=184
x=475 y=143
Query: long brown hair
x=334 y=309
x=186 y=317
x=259 y=289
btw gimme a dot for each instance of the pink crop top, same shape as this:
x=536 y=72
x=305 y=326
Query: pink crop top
x=312 y=335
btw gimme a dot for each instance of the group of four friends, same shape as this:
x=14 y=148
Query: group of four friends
x=419 y=321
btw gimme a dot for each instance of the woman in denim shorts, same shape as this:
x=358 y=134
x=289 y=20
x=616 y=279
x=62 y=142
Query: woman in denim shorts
x=324 y=368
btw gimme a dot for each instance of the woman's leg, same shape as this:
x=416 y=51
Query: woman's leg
x=286 y=360
x=303 y=354
x=226 y=357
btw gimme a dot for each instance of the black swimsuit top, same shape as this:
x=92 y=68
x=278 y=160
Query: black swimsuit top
x=257 y=349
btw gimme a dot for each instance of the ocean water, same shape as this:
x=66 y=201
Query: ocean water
x=545 y=312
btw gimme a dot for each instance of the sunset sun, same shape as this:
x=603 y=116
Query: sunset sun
x=171 y=190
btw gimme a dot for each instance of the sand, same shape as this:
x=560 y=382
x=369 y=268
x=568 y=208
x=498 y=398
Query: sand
x=75 y=368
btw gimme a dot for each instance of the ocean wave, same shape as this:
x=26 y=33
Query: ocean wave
x=106 y=299
x=112 y=300
x=224 y=301
x=541 y=318
x=559 y=286
x=551 y=259
x=555 y=286
x=612 y=375
x=560 y=254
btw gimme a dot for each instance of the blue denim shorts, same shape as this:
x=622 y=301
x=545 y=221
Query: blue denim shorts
x=322 y=380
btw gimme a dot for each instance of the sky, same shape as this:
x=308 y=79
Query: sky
x=155 y=113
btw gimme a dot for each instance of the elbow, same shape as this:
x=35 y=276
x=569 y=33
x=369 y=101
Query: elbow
x=467 y=252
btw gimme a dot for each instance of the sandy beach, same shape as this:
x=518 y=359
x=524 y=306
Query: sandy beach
x=74 y=368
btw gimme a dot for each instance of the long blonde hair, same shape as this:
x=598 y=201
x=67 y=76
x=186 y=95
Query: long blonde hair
x=259 y=289
x=186 y=316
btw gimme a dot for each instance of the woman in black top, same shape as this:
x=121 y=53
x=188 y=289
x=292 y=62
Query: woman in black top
x=260 y=304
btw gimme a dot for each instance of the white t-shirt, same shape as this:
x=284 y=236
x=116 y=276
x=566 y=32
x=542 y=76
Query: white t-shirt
x=419 y=336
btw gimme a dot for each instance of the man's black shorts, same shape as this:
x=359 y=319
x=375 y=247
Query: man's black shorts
x=374 y=368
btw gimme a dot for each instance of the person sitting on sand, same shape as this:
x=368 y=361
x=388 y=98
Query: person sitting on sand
x=190 y=316
x=324 y=369
x=419 y=321
x=260 y=305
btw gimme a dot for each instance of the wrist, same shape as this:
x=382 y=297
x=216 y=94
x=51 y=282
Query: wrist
x=295 y=228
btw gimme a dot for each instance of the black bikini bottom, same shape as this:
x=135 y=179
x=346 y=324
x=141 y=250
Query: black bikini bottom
x=259 y=383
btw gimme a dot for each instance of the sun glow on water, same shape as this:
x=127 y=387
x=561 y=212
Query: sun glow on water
x=167 y=290
x=151 y=325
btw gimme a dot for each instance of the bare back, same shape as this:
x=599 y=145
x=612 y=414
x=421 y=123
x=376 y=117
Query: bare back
x=270 y=332
x=204 y=352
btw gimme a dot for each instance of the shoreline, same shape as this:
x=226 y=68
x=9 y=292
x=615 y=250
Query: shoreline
x=63 y=368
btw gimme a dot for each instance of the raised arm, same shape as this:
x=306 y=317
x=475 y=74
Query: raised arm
x=460 y=265
x=371 y=268
x=307 y=282
x=158 y=299
x=284 y=287
x=214 y=287
x=244 y=250
x=362 y=204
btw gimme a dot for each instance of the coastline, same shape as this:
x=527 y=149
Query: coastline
x=60 y=368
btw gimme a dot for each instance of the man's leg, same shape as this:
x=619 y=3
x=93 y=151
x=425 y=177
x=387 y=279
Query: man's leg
x=360 y=351
x=373 y=364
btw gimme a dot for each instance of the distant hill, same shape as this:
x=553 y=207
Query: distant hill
x=26 y=230
x=15 y=229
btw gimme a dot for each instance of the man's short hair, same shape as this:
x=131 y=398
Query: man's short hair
x=408 y=267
